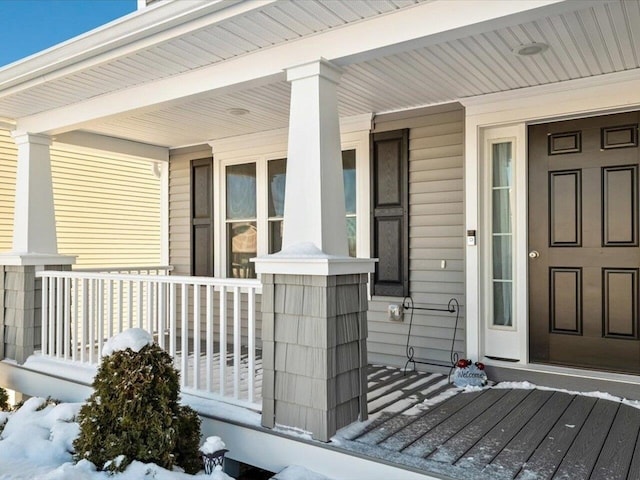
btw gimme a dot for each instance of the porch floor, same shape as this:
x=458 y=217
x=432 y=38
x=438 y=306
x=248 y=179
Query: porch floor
x=421 y=422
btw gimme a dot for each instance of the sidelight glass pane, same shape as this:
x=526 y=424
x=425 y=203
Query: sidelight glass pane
x=502 y=304
x=242 y=246
x=501 y=228
x=501 y=211
x=502 y=257
x=241 y=191
x=502 y=164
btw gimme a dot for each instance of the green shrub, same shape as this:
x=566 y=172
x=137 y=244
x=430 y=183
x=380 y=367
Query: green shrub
x=134 y=414
x=4 y=400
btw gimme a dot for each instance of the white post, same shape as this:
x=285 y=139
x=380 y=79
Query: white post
x=314 y=209
x=34 y=224
x=324 y=288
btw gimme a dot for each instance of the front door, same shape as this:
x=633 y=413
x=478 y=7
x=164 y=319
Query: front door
x=583 y=243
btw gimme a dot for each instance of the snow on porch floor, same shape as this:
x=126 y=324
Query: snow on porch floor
x=420 y=421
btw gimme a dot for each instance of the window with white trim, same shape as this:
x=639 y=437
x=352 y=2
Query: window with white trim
x=254 y=208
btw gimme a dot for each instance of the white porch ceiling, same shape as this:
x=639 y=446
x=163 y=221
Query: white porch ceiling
x=601 y=38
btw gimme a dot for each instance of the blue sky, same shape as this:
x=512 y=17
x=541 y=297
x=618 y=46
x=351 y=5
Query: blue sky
x=29 y=26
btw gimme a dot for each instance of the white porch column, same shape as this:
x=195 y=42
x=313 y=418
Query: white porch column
x=34 y=224
x=314 y=198
x=314 y=296
x=34 y=247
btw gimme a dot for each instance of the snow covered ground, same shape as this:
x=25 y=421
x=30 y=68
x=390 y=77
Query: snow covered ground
x=37 y=442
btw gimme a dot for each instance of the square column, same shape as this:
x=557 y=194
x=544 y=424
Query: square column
x=34 y=223
x=34 y=247
x=314 y=331
x=314 y=297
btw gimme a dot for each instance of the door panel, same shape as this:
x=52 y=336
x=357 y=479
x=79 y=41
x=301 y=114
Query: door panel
x=583 y=221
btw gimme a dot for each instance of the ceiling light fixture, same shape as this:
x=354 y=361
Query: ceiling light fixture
x=238 y=111
x=530 y=49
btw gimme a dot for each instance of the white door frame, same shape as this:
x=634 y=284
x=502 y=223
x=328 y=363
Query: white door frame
x=610 y=93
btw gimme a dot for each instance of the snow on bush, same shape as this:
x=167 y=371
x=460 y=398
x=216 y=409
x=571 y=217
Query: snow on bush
x=133 y=338
x=4 y=400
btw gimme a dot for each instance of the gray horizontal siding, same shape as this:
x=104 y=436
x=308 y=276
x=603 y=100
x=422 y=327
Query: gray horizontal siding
x=436 y=233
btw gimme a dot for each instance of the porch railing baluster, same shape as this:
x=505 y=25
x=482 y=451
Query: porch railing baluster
x=79 y=312
x=44 y=333
x=223 y=339
x=209 y=316
x=91 y=342
x=59 y=325
x=196 y=336
x=251 y=342
x=110 y=331
x=67 y=318
x=236 y=342
x=85 y=319
x=162 y=314
x=75 y=318
x=100 y=317
x=172 y=320
x=184 y=335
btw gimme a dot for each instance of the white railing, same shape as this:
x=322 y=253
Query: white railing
x=208 y=325
x=149 y=270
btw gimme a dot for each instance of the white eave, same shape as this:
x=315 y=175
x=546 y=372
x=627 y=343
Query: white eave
x=158 y=22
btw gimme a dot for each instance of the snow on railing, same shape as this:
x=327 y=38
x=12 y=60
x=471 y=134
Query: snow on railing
x=208 y=325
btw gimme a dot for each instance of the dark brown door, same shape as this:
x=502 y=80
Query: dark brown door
x=583 y=243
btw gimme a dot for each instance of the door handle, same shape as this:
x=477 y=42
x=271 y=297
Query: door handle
x=534 y=254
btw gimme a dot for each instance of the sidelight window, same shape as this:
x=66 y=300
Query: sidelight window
x=502 y=233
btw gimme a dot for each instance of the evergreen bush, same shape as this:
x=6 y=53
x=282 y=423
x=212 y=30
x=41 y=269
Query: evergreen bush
x=4 y=400
x=134 y=414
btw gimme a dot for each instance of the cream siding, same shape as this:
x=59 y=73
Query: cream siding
x=436 y=233
x=107 y=206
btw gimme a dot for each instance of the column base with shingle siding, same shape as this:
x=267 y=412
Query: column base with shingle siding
x=20 y=310
x=314 y=330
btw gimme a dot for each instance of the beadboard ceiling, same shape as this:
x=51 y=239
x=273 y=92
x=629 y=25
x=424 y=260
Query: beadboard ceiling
x=599 y=39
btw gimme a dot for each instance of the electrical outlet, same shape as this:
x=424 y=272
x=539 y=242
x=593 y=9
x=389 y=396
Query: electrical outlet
x=395 y=313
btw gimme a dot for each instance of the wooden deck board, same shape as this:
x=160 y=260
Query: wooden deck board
x=549 y=454
x=438 y=435
x=579 y=461
x=385 y=422
x=509 y=462
x=454 y=448
x=413 y=429
x=413 y=385
x=493 y=442
x=617 y=453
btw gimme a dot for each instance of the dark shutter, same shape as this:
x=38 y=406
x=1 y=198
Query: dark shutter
x=202 y=217
x=390 y=210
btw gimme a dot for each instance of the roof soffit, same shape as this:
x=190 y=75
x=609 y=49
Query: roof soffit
x=267 y=64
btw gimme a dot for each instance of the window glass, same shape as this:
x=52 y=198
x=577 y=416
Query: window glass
x=276 y=182
x=502 y=233
x=241 y=220
x=241 y=191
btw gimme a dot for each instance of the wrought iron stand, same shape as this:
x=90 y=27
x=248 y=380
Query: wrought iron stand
x=452 y=307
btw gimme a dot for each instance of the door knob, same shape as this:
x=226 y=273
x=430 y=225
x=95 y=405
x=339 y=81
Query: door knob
x=534 y=254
